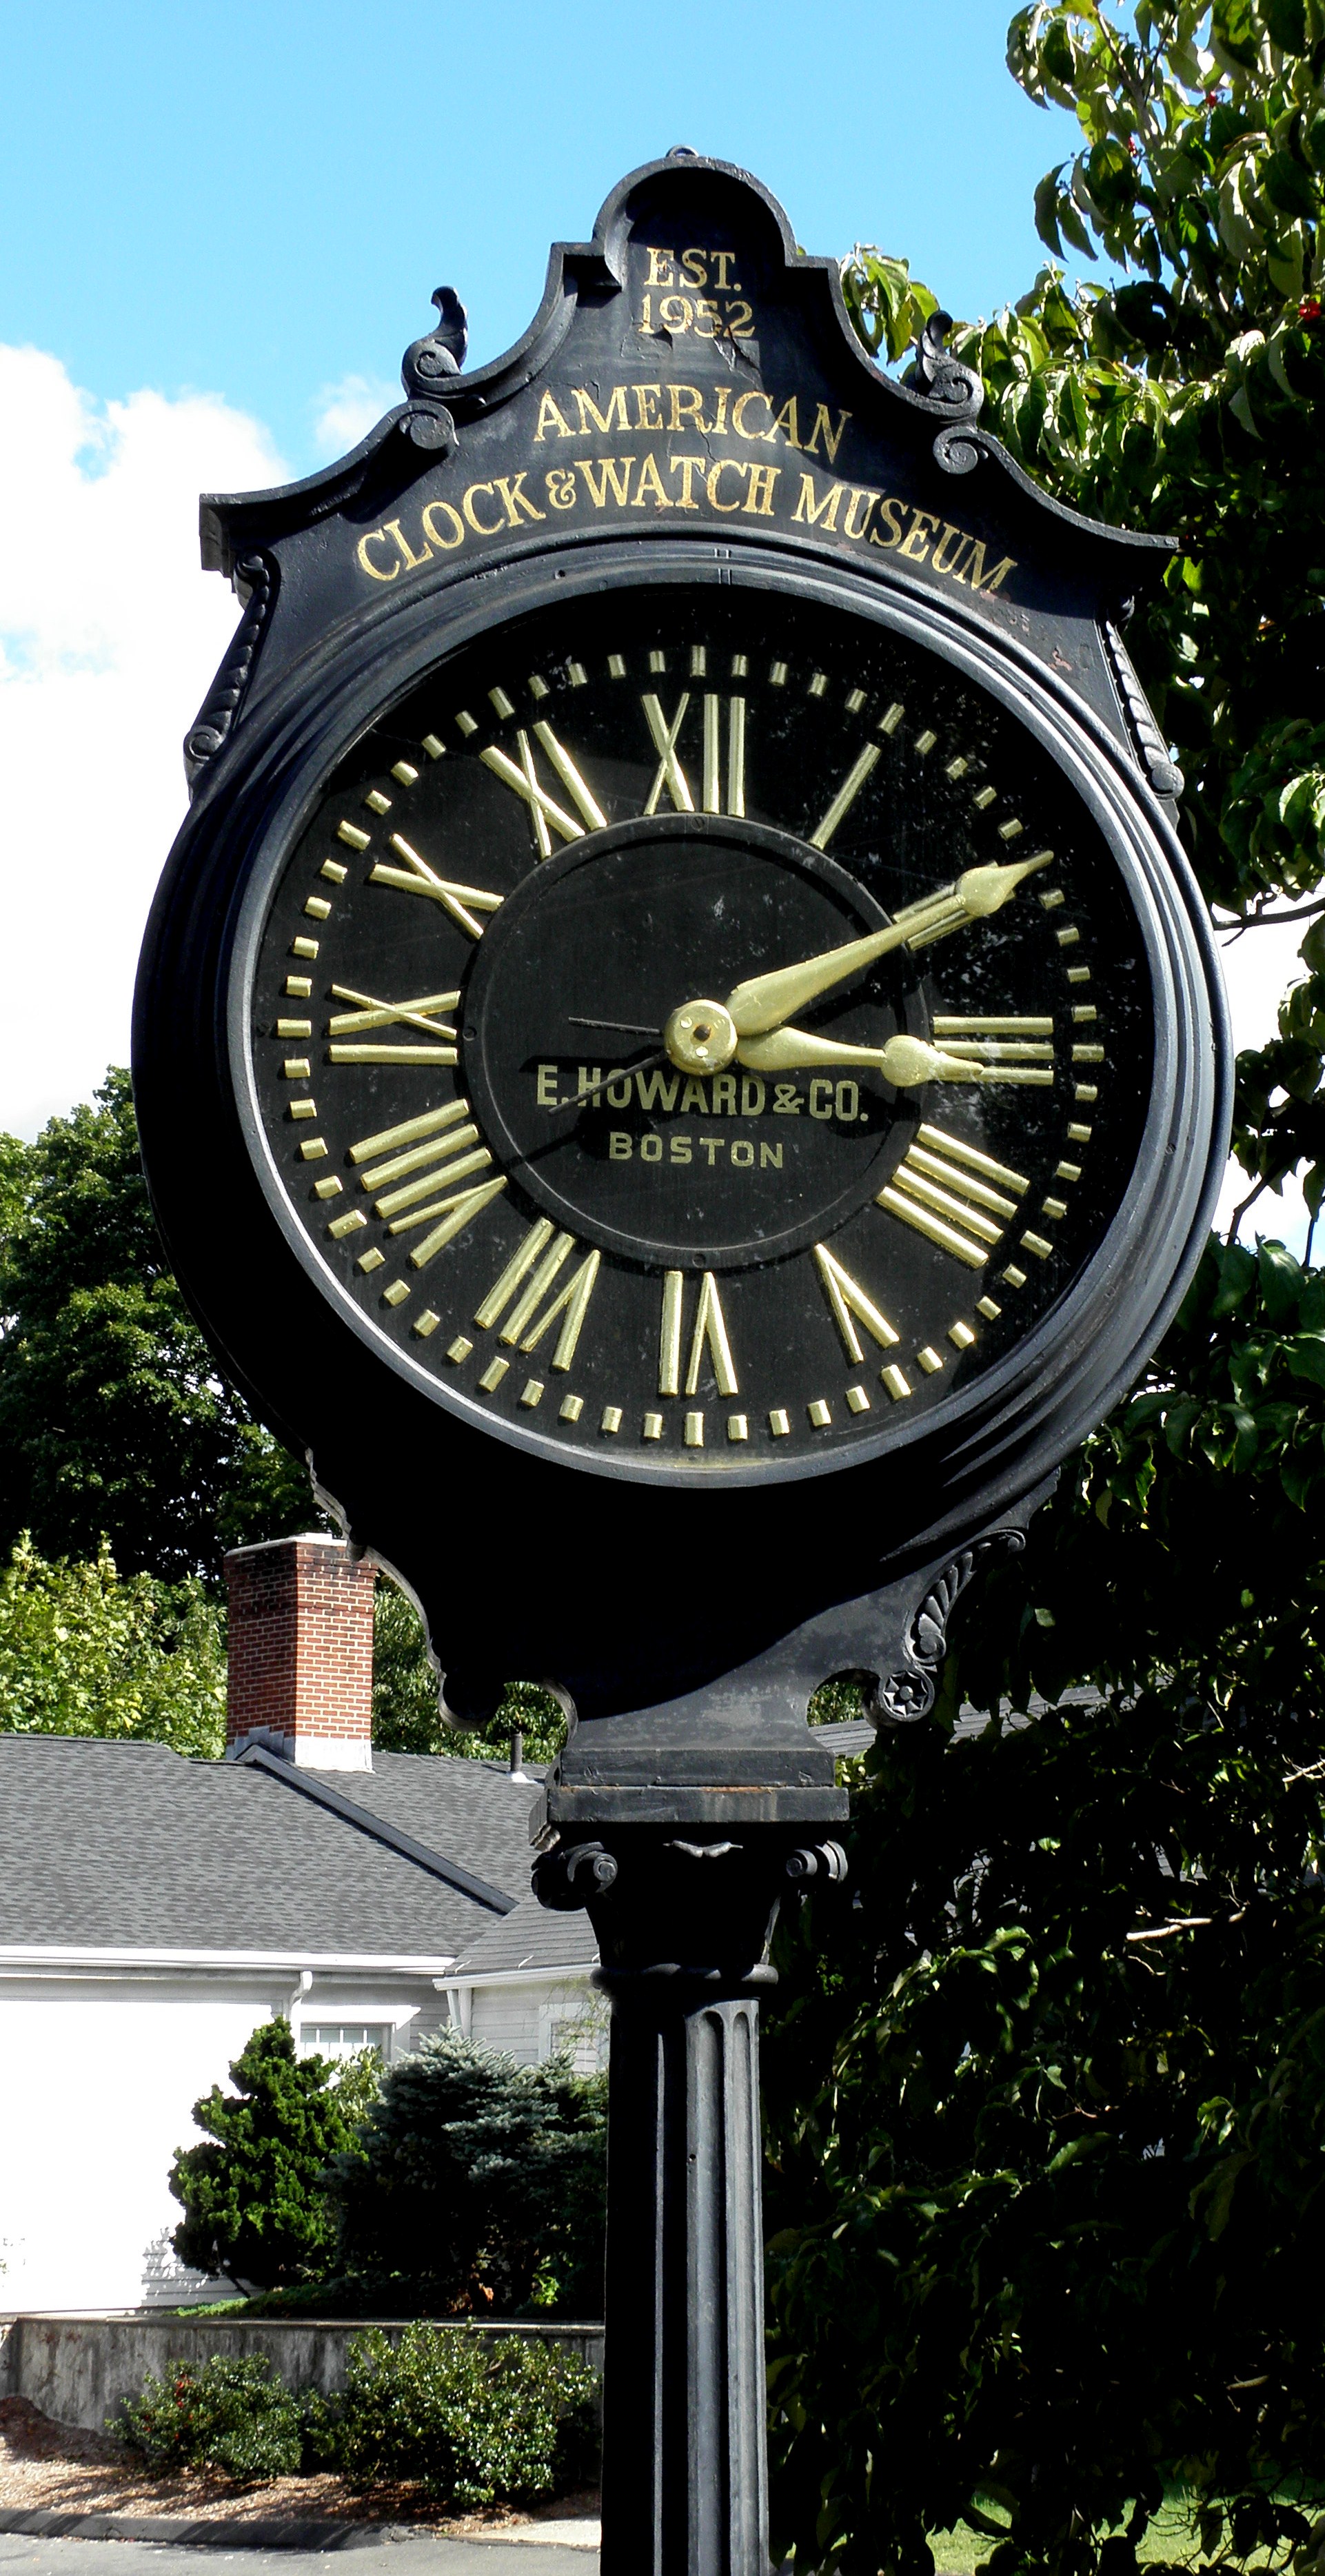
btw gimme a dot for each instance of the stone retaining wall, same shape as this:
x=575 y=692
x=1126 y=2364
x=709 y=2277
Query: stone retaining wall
x=81 y=2369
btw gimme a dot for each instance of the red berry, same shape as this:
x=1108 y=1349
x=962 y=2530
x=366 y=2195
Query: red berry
x=1309 y=309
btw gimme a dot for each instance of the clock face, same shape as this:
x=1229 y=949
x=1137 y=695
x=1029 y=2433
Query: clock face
x=701 y=1031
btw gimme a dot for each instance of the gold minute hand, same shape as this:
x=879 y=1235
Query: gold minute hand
x=903 y=1061
x=764 y=1001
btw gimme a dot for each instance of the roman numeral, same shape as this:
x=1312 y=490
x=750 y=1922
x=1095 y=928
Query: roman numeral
x=671 y=776
x=373 y=1014
x=713 y=762
x=416 y=877
x=545 y=814
x=534 y=1271
x=455 y=1213
x=846 y=796
x=670 y=773
x=948 y=1191
x=709 y=1335
x=849 y=1306
x=1003 y=1046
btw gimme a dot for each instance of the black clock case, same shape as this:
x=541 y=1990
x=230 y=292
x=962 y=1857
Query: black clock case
x=633 y=1593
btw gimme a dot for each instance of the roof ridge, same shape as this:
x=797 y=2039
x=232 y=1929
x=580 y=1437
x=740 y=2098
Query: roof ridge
x=255 y=1757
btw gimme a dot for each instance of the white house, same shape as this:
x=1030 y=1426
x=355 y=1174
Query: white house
x=153 y=1911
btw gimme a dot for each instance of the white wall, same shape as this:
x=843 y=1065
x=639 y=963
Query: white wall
x=98 y=2078
x=97 y=2083
x=531 y=2020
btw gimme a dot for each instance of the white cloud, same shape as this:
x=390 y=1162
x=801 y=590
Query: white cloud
x=109 y=636
x=347 y=411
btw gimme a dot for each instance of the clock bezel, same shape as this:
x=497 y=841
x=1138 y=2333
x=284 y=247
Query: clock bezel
x=1055 y=1380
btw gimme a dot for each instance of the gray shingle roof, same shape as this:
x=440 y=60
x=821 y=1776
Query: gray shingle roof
x=109 y=1845
x=531 y=1937
x=474 y=1812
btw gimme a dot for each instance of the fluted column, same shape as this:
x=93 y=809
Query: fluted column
x=685 y=2481
x=683 y=1926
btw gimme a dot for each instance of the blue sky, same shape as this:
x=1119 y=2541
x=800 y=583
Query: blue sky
x=257 y=201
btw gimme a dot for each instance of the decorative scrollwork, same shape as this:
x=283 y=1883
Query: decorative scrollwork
x=255 y=580
x=565 y=1879
x=941 y=378
x=1151 y=749
x=425 y=367
x=908 y=1694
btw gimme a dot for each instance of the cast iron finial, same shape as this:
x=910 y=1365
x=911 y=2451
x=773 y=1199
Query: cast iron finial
x=427 y=364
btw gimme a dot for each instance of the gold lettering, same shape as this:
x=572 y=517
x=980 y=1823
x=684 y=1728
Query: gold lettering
x=657 y=1090
x=551 y=416
x=647 y=399
x=615 y=417
x=921 y=521
x=690 y=467
x=686 y=408
x=719 y=429
x=849 y=528
x=444 y=545
x=827 y=509
x=411 y=561
x=888 y=509
x=715 y=474
x=467 y=505
x=509 y=487
x=375 y=537
x=661 y=273
x=693 y=268
x=832 y=439
x=610 y=469
x=560 y=485
x=939 y=558
x=973 y=570
x=694 y=1097
x=722 y=260
x=724 y=1095
x=759 y=497
x=742 y=404
x=649 y=483
x=788 y=422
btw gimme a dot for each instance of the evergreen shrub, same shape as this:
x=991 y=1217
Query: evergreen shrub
x=234 y=2415
x=472 y=2421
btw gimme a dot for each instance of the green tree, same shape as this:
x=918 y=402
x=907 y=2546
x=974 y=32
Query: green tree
x=254 y=2193
x=114 y=1422
x=477 y=2184
x=1046 y=2111
x=86 y=1652
x=406 y=1717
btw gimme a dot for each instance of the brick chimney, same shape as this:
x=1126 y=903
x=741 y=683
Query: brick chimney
x=301 y=1652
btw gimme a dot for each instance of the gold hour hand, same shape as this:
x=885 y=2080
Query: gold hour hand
x=903 y=1061
x=764 y=1001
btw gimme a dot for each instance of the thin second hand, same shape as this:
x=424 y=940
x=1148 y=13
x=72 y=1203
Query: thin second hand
x=621 y=1028
x=645 y=1065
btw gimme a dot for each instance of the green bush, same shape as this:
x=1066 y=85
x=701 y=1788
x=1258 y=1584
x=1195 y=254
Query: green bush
x=471 y=2421
x=234 y=2415
x=254 y=2202
x=476 y=2185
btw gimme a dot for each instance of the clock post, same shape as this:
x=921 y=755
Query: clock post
x=681 y=1064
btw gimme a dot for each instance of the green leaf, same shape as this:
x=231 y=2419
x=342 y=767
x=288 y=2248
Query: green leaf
x=1287 y=23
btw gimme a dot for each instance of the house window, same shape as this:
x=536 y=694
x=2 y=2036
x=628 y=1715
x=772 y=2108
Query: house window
x=342 y=2039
